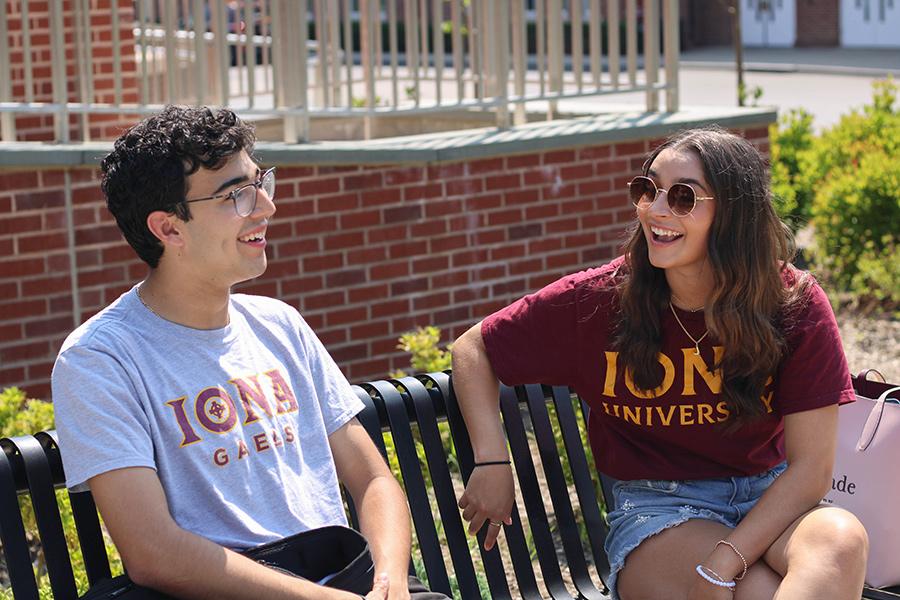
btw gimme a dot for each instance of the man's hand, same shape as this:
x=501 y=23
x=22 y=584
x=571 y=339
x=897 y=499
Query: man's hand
x=488 y=498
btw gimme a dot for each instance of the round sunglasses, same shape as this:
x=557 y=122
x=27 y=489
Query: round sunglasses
x=681 y=197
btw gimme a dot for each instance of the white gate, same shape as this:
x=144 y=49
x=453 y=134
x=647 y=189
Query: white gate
x=769 y=22
x=872 y=23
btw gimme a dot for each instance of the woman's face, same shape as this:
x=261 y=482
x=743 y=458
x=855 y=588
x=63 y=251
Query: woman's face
x=678 y=243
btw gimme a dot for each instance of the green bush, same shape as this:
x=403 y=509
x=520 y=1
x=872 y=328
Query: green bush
x=426 y=357
x=854 y=172
x=789 y=139
x=20 y=415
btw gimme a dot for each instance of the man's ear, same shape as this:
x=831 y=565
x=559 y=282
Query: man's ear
x=166 y=227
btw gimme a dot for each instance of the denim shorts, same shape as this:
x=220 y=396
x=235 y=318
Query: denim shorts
x=645 y=507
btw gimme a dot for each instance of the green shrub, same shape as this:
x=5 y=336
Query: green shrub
x=789 y=139
x=20 y=415
x=426 y=357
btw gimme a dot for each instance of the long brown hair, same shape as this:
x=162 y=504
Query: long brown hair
x=748 y=248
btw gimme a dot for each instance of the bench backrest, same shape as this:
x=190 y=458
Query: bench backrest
x=543 y=423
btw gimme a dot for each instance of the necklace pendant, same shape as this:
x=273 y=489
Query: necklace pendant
x=697 y=350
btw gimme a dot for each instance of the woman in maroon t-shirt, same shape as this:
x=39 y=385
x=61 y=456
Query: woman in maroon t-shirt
x=713 y=370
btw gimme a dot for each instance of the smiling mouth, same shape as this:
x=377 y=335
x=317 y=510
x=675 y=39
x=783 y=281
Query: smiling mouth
x=253 y=238
x=664 y=235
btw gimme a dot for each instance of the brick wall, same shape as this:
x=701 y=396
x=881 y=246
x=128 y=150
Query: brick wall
x=365 y=253
x=818 y=23
x=40 y=127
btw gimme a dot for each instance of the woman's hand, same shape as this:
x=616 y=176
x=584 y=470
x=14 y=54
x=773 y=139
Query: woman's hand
x=488 y=498
x=704 y=590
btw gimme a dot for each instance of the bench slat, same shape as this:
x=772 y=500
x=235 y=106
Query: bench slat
x=46 y=511
x=12 y=532
x=423 y=404
x=414 y=483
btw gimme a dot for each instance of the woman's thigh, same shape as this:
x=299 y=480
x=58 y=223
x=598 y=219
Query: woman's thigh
x=663 y=566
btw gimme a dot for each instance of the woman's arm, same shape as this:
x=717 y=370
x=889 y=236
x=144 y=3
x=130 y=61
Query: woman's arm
x=490 y=491
x=810 y=439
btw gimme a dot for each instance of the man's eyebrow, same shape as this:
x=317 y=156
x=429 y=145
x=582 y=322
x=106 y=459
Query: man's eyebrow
x=234 y=181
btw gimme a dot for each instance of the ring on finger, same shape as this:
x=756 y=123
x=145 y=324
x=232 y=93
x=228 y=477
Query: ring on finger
x=496 y=523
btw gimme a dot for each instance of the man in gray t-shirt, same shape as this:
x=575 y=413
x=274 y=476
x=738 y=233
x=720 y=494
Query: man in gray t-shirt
x=203 y=421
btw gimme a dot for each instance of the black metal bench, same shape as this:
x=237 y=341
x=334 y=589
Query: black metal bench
x=542 y=423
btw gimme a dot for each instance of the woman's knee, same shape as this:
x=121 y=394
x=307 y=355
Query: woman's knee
x=833 y=536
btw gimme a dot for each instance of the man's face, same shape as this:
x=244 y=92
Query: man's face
x=221 y=248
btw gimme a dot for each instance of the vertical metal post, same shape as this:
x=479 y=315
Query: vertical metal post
x=631 y=39
x=200 y=53
x=519 y=41
x=26 y=51
x=278 y=54
x=348 y=52
x=392 y=41
x=334 y=44
x=85 y=70
x=651 y=52
x=58 y=70
x=117 y=53
x=576 y=14
x=224 y=59
x=321 y=85
x=540 y=37
x=457 y=44
x=412 y=45
x=367 y=52
x=612 y=36
x=7 y=120
x=498 y=25
x=596 y=40
x=142 y=43
x=554 y=52
x=171 y=58
x=670 y=24
x=250 y=51
x=437 y=33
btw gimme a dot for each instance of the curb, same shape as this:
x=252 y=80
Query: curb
x=764 y=67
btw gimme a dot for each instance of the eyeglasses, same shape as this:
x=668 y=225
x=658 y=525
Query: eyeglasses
x=681 y=197
x=244 y=197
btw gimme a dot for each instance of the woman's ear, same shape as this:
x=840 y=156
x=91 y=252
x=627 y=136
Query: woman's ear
x=166 y=227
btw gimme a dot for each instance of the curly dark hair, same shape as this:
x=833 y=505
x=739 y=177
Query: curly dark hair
x=149 y=165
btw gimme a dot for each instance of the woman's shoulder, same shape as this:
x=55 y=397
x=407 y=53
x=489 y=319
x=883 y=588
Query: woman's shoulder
x=606 y=277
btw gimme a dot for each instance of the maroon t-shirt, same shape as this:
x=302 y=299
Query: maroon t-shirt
x=563 y=334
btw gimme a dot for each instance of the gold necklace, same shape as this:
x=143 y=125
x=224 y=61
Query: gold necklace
x=680 y=302
x=147 y=306
x=697 y=341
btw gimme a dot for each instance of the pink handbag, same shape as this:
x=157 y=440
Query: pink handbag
x=866 y=478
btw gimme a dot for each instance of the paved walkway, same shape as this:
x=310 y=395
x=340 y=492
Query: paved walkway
x=870 y=62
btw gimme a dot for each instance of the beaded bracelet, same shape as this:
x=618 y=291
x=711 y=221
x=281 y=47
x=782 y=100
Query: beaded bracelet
x=493 y=462
x=714 y=578
x=738 y=552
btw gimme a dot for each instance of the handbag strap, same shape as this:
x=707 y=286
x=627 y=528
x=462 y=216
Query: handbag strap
x=871 y=426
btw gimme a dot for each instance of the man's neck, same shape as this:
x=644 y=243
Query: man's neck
x=179 y=300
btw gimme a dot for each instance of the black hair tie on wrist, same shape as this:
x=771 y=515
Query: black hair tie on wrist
x=492 y=462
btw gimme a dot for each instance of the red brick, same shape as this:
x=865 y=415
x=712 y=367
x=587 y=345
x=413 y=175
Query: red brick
x=367 y=255
x=345 y=316
x=380 y=197
x=519 y=232
x=370 y=330
x=11 y=332
x=98 y=235
x=294 y=172
x=629 y=148
x=542 y=211
x=409 y=286
x=338 y=203
x=430 y=264
x=408 y=249
x=368 y=294
x=18 y=224
x=348 y=353
x=507 y=252
x=542 y=175
x=10 y=377
x=24 y=266
x=420 y=192
x=37 y=200
x=431 y=301
x=596 y=186
x=488 y=237
x=503 y=182
x=596 y=220
x=487 y=165
x=428 y=228
x=489 y=273
x=470 y=257
x=450 y=279
x=463 y=187
x=558 y=156
x=322 y=262
x=562 y=225
x=389 y=271
x=448 y=171
x=523 y=161
x=618 y=168
x=582 y=171
x=442 y=207
x=450 y=242
x=468 y=294
x=103 y=276
x=343 y=241
x=318 y=187
x=390 y=308
x=45 y=327
x=46 y=286
x=41 y=242
x=363 y=182
x=521 y=197
x=362 y=219
x=344 y=278
x=505 y=217
x=325 y=300
x=296 y=247
x=485 y=202
x=402 y=176
x=595 y=153
x=24 y=352
x=400 y=214
x=302 y=285
x=18 y=180
x=526 y=267
x=453 y=315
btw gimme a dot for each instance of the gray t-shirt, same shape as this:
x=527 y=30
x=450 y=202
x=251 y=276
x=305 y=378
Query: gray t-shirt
x=235 y=420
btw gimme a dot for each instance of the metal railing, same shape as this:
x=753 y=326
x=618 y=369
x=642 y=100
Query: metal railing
x=298 y=60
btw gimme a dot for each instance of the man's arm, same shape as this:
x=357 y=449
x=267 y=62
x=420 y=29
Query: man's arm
x=380 y=502
x=161 y=555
